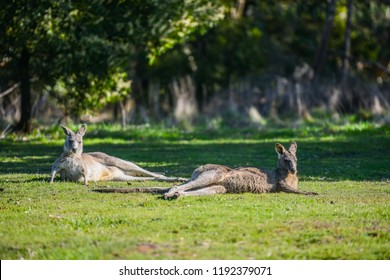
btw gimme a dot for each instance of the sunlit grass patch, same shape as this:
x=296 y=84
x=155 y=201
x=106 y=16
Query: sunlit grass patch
x=349 y=219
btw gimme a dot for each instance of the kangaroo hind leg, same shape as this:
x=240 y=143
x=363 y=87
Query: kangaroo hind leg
x=216 y=189
x=134 y=170
x=124 y=177
x=198 y=181
x=133 y=190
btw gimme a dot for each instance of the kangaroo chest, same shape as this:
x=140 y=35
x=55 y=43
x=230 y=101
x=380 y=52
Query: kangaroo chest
x=71 y=169
x=290 y=181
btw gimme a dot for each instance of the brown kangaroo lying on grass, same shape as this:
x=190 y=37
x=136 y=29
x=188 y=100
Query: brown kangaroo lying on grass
x=217 y=179
x=74 y=165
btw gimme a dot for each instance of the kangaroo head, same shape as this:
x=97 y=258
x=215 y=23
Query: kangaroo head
x=287 y=158
x=74 y=141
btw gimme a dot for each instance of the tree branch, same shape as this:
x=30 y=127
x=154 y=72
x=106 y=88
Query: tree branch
x=364 y=61
x=8 y=91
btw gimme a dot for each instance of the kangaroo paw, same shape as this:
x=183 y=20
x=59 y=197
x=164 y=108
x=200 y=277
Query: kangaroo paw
x=173 y=195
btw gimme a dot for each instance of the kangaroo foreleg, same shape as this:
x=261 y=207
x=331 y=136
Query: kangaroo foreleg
x=55 y=168
x=53 y=174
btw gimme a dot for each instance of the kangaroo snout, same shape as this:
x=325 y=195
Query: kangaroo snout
x=293 y=170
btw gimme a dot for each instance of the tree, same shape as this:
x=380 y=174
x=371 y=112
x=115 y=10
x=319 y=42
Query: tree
x=18 y=40
x=323 y=46
x=347 y=52
x=260 y=40
x=82 y=50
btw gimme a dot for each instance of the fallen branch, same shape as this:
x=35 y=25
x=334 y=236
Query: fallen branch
x=7 y=130
x=8 y=91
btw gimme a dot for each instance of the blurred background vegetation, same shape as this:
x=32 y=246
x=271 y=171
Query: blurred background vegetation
x=193 y=62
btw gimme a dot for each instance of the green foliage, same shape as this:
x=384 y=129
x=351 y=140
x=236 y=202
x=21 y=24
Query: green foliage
x=81 y=50
x=184 y=19
x=273 y=38
x=84 y=53
x=346 y=164
x=101 y=90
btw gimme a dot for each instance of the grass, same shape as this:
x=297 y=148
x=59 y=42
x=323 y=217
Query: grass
x=347 y=164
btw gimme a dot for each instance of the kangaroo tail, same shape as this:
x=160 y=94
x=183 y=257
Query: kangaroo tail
x=134 y=190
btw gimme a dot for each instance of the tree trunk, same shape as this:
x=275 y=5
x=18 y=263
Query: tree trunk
x=347 y=96
x=323 y=47
x=199 y=76
x=24 y=123
x=140 y=85
x=347 y=46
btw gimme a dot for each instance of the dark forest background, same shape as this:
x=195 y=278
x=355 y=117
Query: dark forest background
x=215 y=63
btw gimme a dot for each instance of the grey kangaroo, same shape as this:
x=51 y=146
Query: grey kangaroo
x=74 y=165
x=212 y=179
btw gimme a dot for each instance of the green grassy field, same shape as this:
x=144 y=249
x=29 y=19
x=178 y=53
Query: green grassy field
x=348 y=165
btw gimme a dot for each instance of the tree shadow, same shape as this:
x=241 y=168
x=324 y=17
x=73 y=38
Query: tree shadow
x=352 y=158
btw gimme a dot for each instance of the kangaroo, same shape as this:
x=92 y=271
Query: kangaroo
x=74 y=165
x=212 y=179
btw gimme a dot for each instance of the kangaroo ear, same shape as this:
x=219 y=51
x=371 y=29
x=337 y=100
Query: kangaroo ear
x=293 y=148
x=82 y=130
x=279 y=149
x=66 y=130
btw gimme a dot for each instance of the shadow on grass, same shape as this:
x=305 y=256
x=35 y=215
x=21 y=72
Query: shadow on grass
x=151 y=134
x=357 y=157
